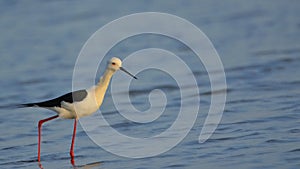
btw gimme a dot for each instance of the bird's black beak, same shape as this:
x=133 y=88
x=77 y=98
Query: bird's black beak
x=124 y=70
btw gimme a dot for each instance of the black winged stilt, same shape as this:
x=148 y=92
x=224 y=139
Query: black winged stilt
x=79 y=103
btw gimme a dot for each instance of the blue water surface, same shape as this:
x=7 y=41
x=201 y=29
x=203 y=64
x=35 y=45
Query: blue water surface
x=258 y=43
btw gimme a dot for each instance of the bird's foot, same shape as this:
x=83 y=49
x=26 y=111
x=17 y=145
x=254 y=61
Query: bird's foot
x=72 y=158
x=72 y=154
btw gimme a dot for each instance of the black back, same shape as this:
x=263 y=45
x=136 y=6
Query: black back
x=69 y=97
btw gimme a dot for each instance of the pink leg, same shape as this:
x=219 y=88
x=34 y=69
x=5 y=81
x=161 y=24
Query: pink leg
x=40 y=132
x=73 y=140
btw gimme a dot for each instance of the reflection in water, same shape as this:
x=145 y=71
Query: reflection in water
x=86 y=166
x=40 y=165
x=72 y=161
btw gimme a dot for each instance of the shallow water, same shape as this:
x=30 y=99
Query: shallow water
x=258 y=43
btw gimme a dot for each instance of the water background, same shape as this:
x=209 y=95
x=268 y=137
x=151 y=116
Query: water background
x=258 y=42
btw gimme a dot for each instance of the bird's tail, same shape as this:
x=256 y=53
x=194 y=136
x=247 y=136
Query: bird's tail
x=26 y=105
x=13 y=106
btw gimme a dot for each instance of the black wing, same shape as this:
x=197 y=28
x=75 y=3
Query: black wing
x=69 y=97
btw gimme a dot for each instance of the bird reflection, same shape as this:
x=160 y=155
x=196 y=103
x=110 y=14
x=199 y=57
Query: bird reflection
x=40 y=165
x=72 y=161
x=85 y=166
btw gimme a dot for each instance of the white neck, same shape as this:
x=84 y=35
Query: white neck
x=102 y=85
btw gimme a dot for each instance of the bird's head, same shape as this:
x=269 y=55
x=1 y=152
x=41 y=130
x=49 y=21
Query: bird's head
x=115 y=64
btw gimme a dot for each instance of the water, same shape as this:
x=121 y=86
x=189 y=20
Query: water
x=258 y=43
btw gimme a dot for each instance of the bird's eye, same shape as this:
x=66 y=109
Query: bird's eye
x=113 y=63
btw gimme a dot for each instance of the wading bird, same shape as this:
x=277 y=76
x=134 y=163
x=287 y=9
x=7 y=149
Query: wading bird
x=80 y=103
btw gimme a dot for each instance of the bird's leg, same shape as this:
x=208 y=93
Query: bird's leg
x=73 y=140
x=40 y=133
